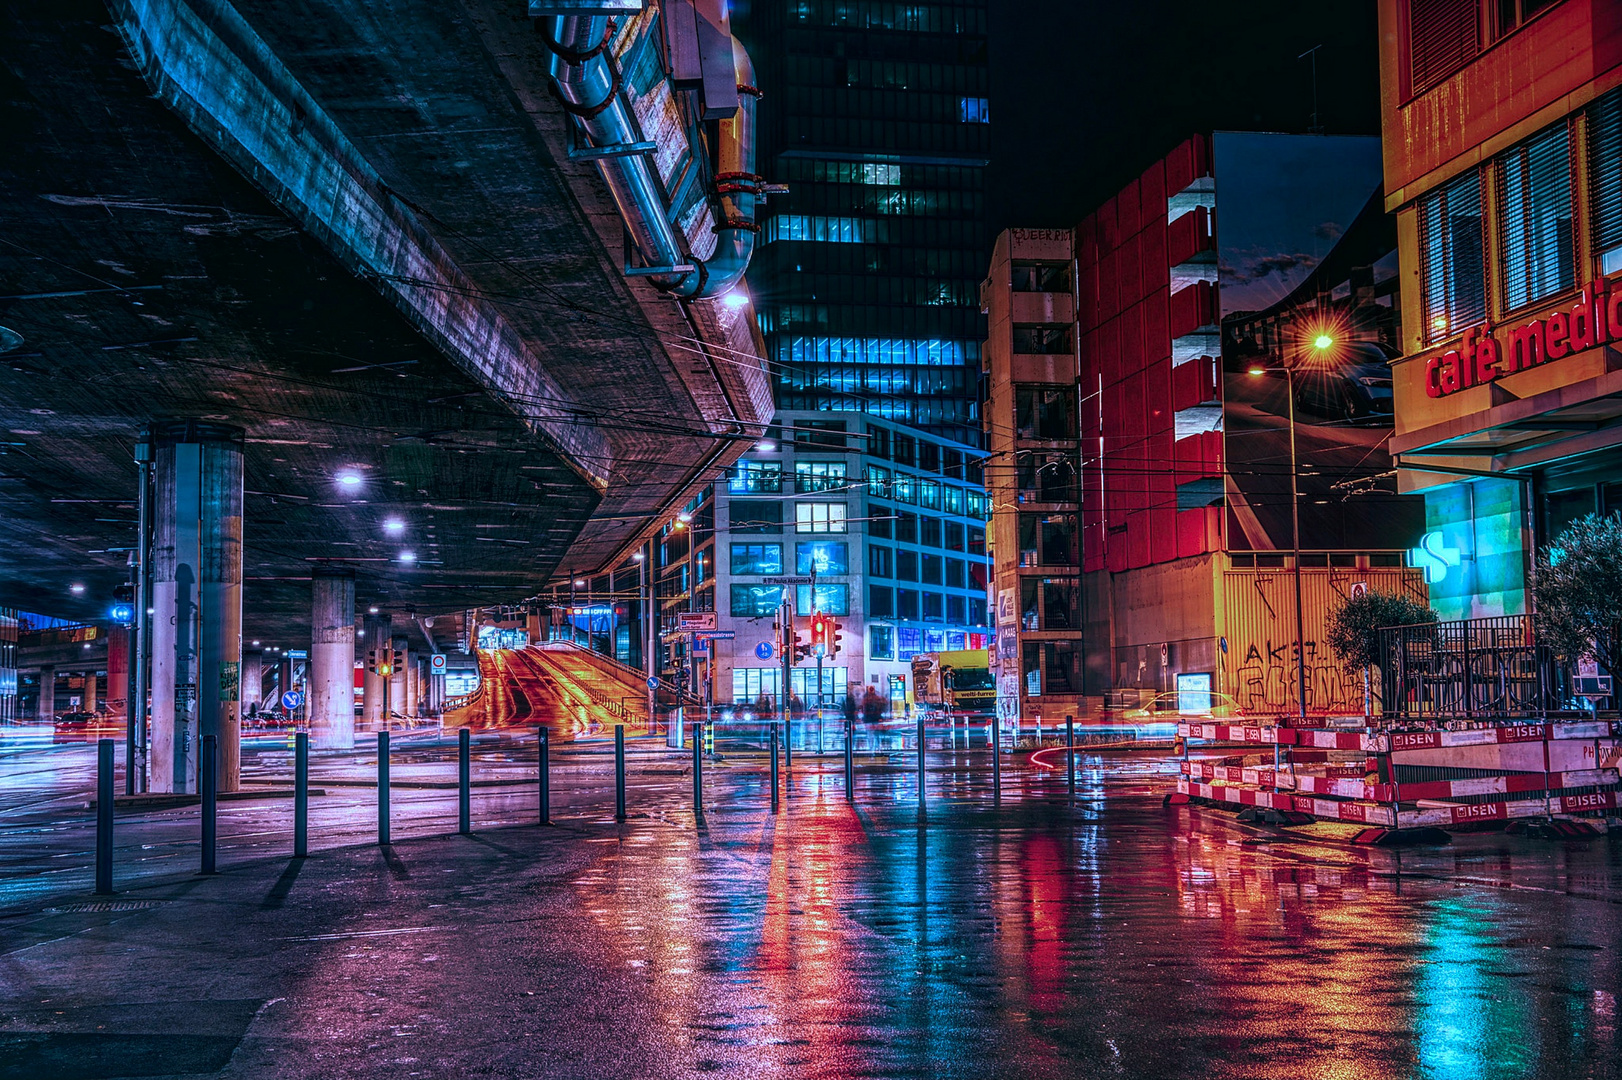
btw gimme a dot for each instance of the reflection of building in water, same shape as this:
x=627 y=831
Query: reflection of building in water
x=1141 y=527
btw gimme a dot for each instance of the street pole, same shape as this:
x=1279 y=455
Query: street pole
x=140 y=631
x=1295 y=545
x=785 y=616
x=646 y=592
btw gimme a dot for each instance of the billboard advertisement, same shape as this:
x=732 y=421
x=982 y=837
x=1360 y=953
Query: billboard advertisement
x=1307 y=275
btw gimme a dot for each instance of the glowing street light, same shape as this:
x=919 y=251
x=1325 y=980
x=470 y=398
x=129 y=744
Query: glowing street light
x=736 y=298
x=1322 y=341
x=76 y=589
x=349 y=481
x=408 y=556
x=394 y=526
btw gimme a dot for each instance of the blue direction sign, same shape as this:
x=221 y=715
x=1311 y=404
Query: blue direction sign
x=653 y=682
x=764 y=650
x=292 y=700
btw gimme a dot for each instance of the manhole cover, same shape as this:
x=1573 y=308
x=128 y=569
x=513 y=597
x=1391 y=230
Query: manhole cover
x=106 y=905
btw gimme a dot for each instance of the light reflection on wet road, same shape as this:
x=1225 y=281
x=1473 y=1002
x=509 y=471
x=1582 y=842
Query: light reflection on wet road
x=1108 y=938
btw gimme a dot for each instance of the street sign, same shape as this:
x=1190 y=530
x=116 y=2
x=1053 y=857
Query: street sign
x=436 y=663
x=765 y=651
x=292 y=700
x=298 y=654
x=695 y=620
x=653 y=682
x=793 y=579
x=715 y=635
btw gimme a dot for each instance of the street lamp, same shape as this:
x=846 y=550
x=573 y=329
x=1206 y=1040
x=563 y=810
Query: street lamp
x=1295 y=536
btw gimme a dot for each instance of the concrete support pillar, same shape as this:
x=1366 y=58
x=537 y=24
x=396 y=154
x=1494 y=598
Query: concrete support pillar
x=196 y=600
x=532 y=625
x=379 y=631
x=118 y=672
x=397 y=682
x=253 y=678
x=413 y=686
x=89 y=696
x=45 y=706
x=332 y=658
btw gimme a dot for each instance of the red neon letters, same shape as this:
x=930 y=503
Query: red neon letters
x=1595 y=320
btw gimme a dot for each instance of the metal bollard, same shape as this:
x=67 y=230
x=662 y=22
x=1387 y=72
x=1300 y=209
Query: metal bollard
x=464 y=782
x=1070 y=752
x=850 y=761
x=619 y=772
x=788 y=746
x=383 y=789
x=546 y=777
x=104 y=817
x=774 y=768
x=301 y=794
x=920 y=761
x=208 y=784
x=996 y=763
x=698 y=769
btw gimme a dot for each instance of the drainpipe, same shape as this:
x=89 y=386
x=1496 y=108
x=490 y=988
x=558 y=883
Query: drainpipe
x=590 y=86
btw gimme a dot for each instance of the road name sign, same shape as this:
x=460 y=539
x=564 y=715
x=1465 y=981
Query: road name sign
x=792 y=579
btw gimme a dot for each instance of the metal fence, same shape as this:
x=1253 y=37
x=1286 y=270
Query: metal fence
x=1468 y=669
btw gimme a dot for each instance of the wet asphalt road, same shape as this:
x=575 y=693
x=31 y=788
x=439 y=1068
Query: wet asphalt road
x=1108 y=937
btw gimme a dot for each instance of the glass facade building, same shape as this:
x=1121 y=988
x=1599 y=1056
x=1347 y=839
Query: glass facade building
x=876 y=116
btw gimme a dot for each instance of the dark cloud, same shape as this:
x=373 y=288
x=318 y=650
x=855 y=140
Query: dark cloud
x=1329 y=230
x=1261 y=267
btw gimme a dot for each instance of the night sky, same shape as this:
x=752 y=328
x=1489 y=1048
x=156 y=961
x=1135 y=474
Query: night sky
x=1085 y=95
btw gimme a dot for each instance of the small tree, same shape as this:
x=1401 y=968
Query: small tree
x=1579 y=591
x=1354 y=627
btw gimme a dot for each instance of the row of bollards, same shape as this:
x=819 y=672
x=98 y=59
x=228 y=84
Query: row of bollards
x=208 y=786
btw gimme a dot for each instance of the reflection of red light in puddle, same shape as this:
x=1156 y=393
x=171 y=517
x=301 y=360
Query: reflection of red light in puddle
x=1043 y=759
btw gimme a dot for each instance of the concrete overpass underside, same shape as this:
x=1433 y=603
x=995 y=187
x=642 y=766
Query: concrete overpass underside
x=354 y=232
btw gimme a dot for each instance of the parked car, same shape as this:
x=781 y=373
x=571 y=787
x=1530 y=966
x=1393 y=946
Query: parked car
x=1357 y=386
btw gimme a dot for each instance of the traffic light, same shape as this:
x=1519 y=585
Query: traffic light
x=834 y=643
x=821 y=635
x=398 y=660
x=371 y=661
x=802 y=648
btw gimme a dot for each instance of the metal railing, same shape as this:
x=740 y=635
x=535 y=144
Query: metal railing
x=1468 y=669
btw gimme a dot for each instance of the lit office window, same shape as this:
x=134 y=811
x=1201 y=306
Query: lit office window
x=819 y=517
x=757 y=558
x=824 y=229
x=832 y=599
x=974 y=110
x=749 y=685
x=878 y=481
x=814 y=476
x=755 y=478
x=821 y=557
x=754 y=601
x=875 y=173
x=1534 y=218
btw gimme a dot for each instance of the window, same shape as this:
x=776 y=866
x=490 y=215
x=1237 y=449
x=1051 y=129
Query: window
x=880 y=642
x=906 y=450
x=1060 y=604
x=1605 y=179
x=979 y=506
x=1047 y=340
x=906 y=604
x=1040 y=277
x=929 y=456
x=829 y=230
x=749 y=685
x=934 y=607
x=832 y=599
x=754 y=601
x=1511 y=14
x=908 y=643
x=878 y=481
x=814 y=476
x=954 y=611
x=757 y=517
x=974 y=110
x=931 y=570
x=878 y=442
x=822 y=557
x=905 y=488
x=1534 y=218
x=906 y=565
x=954 y=573
x=819 y=517
x=1443 y=35
x=829 y=433
x=757 y=558
x=929 y=534
x=880 y=561
x=954 y=536
x=880 y=602
x=929 y=495
x=906 y=528
x=952 y=500
x=1045 y=412
x=977 y=541
x=756 y=478
x=882 y=522
x=977 y=612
